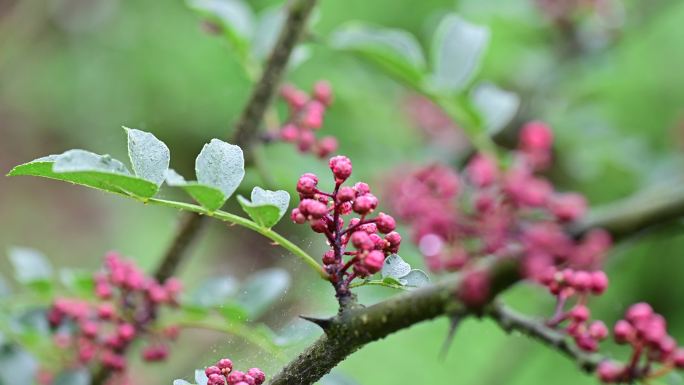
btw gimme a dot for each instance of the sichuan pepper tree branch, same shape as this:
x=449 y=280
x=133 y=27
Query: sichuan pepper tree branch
x=352 y=329
x=510 y=320
x=655 y=206
x=247 y=127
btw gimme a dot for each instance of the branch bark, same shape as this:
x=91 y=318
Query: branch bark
x=348 y=332
x=352 y=329
x=510 y=320
x=655 y=206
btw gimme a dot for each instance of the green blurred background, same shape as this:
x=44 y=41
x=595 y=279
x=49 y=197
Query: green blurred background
x=73 y=71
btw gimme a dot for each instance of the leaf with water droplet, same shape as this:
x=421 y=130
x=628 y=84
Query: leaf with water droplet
x=149 y=156
x=267 y=207
x=395 y=267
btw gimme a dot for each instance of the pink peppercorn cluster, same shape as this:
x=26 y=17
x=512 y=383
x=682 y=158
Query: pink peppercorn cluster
x=325 y=212
x=223 y=374
x=645 y=331
x=306 y=114
x=127 y=305
x=491 y=210
x=568 y=284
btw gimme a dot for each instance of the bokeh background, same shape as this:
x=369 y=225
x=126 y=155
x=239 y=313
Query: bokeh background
x=72 y=72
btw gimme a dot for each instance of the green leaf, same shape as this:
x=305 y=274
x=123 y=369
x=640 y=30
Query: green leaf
x=415 y=278
x=496 y=106
x=200 y=377
x=269 y=24
x=395 y=267
x=29 y=265
x=215 y=291
x=456 y=51
x=209 y=197
x=262 y=289
x=79 y=282
x=17 y=366
x=73 y=377
x=220 y=165
x=235 y=18
x=149 y=156
x=393 y=50
x=88 y=169
x=233 y=312
x=391 y=281
x=266 y=207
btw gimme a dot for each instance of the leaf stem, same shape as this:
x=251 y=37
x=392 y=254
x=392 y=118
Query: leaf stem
x=244 y=222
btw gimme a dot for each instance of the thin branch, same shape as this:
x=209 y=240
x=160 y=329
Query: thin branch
x=190 y=225
x=352 y=330
x=655 y=206
x=349 y=331
x=510 y=320
x=247 y=127
x=246 y=131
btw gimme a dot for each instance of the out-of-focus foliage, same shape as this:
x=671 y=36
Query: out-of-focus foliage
x=72 y=72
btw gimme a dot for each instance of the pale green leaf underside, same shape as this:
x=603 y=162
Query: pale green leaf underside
x=415 y=278
x=395 y=267
x=397 y=271
x=208 y=197
x=265 y=215
x=457 y=48
x=200 y=377
x=149 y=156
x=29 y=265
x=266 y=207
x=496 y=106
x=88 y=169
x=395 y=51
x=220 y=165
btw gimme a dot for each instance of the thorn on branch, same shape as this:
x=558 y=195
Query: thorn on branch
x=323 y=323
x=454 y=321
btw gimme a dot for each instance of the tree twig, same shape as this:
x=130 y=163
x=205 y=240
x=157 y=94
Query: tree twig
x=655 y=206
x=510 y=320
x=352 y=329
x=349 y=332
x=247 y=127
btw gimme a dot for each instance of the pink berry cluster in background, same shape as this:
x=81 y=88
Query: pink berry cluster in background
x=306 y=114
x=223 y=374
x=128 y=303
x=491 y=210
x=646 y=333
x=326 y=211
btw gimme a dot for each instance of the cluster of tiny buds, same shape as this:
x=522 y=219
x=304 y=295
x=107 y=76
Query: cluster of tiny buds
x=223 y=374
x=646 y=332
x=306 y=117
x=129 y=302
x=325 y=212
x=568 y=283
